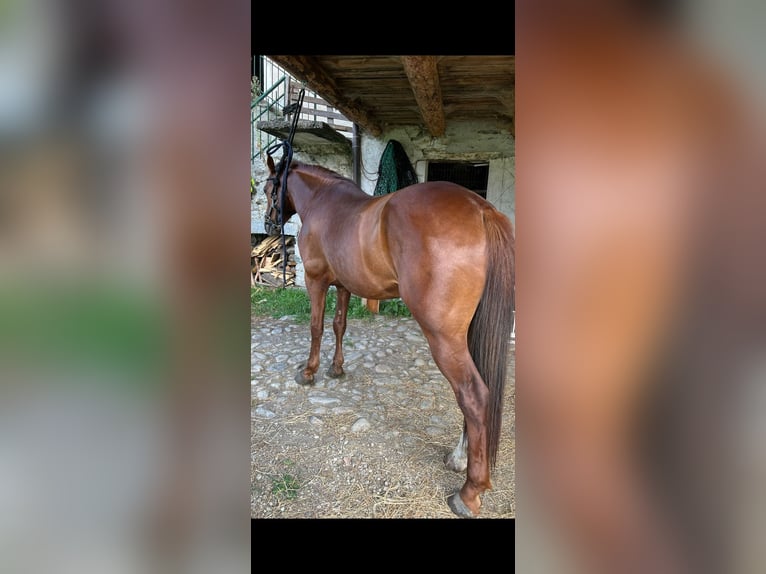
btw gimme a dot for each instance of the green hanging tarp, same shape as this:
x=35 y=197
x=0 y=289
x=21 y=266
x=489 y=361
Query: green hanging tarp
x=395 y=170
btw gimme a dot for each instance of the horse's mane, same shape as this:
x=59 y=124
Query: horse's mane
x=321 y=172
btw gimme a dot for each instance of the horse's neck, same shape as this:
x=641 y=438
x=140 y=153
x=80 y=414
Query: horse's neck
x=305 y=187
x=299 y=193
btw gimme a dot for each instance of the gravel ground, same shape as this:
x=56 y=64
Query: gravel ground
x=368 y=445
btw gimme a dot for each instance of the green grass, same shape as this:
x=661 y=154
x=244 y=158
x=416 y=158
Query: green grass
x=394 y=308
x=277 y=302
x=286 y=486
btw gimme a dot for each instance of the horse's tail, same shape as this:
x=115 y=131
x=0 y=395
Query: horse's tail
x=490 y=331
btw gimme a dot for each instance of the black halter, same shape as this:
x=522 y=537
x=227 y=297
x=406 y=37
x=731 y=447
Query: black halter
x=279 y=183
x=279 y=192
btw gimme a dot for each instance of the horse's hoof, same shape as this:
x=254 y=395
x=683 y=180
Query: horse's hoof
x=331 y=372
x=457 y=506
x=303 y=380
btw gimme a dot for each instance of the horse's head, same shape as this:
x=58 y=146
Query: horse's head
x=279 y=208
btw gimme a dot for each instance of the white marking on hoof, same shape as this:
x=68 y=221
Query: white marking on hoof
x=457 y=506
x=457 y=460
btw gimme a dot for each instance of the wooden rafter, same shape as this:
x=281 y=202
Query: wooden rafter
x=306 y=69
x=424 y=79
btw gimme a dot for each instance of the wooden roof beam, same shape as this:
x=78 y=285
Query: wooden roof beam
x=424 y=80
x=308 y=70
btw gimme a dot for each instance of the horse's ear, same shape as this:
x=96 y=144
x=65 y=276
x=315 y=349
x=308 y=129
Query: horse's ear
x=270 y=164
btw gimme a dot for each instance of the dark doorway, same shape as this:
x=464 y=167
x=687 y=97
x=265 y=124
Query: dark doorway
x=473 y=175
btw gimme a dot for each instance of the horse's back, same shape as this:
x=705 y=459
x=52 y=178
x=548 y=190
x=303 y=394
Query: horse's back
x=440 y=209
x=435 y=221
x=436 y=196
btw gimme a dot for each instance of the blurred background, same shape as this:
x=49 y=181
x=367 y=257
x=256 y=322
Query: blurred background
x=124 y=304
x=641 y=289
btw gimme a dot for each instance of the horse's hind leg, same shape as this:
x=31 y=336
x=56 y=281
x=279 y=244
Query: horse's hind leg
x=339 y=328
x=454 y=360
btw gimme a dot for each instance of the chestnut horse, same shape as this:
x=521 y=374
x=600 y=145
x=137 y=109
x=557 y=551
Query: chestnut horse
x=449 y=255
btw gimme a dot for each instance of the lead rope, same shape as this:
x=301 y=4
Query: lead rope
x=284 y=166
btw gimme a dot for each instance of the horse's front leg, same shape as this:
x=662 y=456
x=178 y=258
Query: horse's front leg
x=317 y=294
x=339 y=328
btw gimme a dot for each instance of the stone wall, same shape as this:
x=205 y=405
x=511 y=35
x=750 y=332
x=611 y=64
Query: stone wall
x=461 y=142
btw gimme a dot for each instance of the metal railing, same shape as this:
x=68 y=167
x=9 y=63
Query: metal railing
x=268 y=106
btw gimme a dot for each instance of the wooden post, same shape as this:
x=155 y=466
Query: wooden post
x=373 y=305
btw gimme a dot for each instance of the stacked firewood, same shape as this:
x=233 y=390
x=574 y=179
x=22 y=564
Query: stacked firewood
x=267 y=263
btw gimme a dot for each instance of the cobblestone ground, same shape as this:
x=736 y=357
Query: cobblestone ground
x=370 y=444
